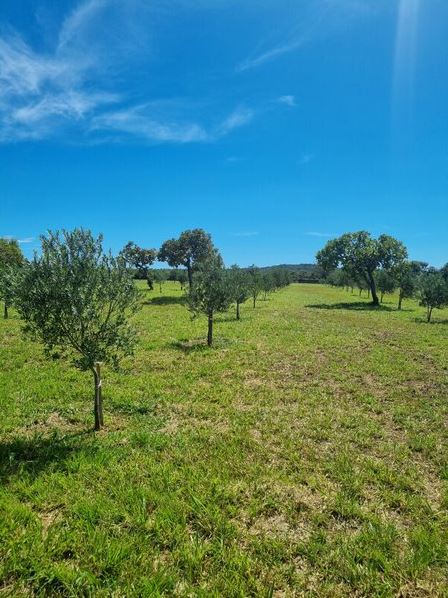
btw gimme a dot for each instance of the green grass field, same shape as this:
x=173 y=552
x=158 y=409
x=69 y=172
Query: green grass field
x=304 y=455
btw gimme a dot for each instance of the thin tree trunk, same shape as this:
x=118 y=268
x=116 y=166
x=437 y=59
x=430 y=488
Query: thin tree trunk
x=160 y=286
x=255 y=299
x=360 y=292
x=382 y=297
x=371 y=281
x=210 y=330
x=5 y=311
x=429 y=314
x=98 y=400
x=190 y=275
x=400 y=300
x=238 y=310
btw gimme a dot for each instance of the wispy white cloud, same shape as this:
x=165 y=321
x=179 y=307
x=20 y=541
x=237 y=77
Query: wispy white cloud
x=305 y=159
x=76 y=87
x=259 y=59
x=25 y=240
x=318 y=20
x=288 y=100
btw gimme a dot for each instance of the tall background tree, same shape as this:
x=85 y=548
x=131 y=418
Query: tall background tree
x=139 y=258
x=11 y=260
x=192 y=248
x=361 y=256
x=76 y=299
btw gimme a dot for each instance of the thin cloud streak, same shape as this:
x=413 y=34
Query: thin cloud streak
x=320 y=235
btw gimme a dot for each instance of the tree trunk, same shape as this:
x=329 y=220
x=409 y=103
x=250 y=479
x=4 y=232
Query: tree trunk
x=98 y=400
x=5 y=311
x=428 y=319
x=190 y=274
x=238 y=310
x=371 y=281
x=360 y=292
x=382 y=297
x=210 y=330
x=400 y=300
x=160 y=286
x=255 y=299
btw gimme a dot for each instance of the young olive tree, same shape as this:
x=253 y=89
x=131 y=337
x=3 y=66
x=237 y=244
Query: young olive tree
x=238 y=281
x=75 y=300
x=11 y=260
x=210 y=293
x=433 y=292
x=385 y=283
x=406 y=280
x=361 y=256
x=255 y=283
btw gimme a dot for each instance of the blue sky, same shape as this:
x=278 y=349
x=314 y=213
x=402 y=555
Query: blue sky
x=273 y=124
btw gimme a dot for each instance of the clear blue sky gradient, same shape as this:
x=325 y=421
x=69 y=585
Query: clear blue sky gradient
x=272 y=124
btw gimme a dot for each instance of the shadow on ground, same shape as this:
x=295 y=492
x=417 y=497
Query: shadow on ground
x=164 y=300
x=355 y=306
x=32 y=455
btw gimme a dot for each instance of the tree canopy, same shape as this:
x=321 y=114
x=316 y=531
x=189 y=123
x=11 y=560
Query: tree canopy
x=75 y=299
x=192 y=248
x=139 y=258
x=361 y=255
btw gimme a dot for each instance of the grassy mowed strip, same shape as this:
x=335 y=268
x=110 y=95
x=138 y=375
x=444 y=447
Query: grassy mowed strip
x=306 y=453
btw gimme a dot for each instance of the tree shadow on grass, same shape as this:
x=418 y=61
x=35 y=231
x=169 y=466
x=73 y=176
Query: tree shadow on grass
x=199 y=344
x=31 y=455
x=355 y=306
x=164 y=300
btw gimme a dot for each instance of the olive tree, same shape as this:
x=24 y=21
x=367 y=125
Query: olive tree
x=210 y=293
x=433 y=292
x=385 y=283
x=75 y=300
x=255 y=283
x=406 y=280
x=361 y=256
x=238 y=281
x=11 y=259
x=191 y=249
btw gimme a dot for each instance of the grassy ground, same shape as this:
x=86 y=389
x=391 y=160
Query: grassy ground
x=304 y=455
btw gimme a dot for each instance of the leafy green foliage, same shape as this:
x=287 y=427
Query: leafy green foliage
x=239 y=286
x=192 y=248
x=211 y=293
x=385 y=283
x=433 y=292
x=138 y=258
x=11 y=260
x=75 y=299
x=361 y=256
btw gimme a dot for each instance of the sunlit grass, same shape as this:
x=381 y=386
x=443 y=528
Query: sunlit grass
x=305 y=453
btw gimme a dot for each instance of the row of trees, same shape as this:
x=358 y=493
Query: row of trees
x=76 y=299
x=381 y=266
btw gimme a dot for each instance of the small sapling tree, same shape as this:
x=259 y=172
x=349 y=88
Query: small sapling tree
x=159 y=278
x=210 y=293
x=385 y=283
x=11 y=260
x=255 y=283
x=238 y=281
x=76 y=299
x=433 y=292
x=406 y=280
